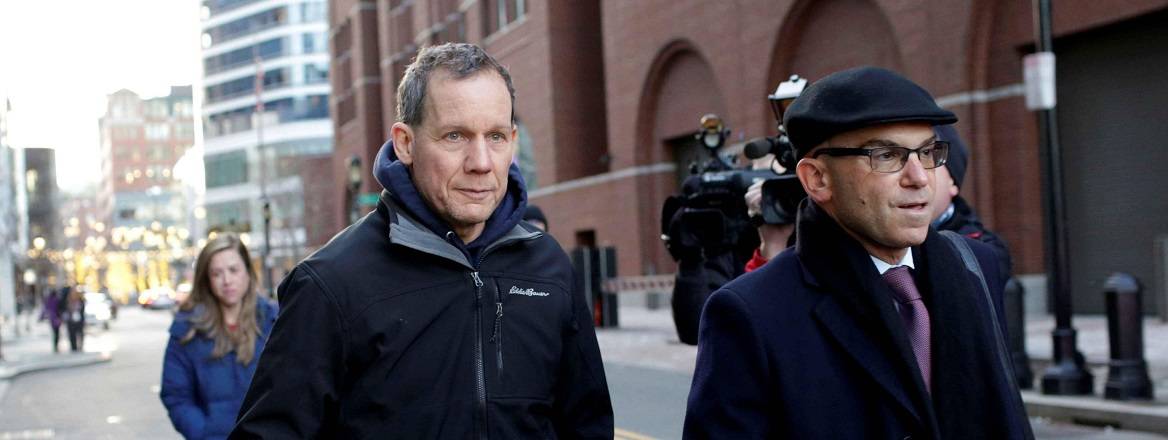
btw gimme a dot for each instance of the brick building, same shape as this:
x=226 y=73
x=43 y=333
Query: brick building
x=608 y=92
x=141 y=140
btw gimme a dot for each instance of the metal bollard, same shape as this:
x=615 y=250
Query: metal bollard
x=606 y=270
x=653 y=300
x=593 y=268
x=1015 y=310
x=1127 y=373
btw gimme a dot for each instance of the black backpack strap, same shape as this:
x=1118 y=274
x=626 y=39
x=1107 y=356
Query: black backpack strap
x=967 y=257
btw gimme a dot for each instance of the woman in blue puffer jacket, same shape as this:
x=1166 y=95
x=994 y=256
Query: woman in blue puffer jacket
x=215 y=342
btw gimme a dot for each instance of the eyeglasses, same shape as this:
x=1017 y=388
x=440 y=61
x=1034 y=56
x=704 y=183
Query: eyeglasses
x=891 y=159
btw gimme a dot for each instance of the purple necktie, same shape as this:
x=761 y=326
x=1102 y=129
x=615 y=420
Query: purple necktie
x=915 y=317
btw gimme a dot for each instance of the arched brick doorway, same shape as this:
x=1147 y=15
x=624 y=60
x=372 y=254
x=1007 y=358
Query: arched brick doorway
x=820 y=37
x=680 y=88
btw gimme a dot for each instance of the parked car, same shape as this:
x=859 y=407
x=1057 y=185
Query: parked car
x=183 y=292
x=98 y=309
x=113 y=302
x=158 y=298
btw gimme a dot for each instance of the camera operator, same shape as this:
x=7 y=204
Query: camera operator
x=772 y=203
x=706 y=229
x=729 y=221
x=773 y=238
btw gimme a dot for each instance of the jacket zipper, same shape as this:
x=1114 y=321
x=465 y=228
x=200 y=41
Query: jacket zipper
x=497 y=335
x=480 y=381
x=480 y=369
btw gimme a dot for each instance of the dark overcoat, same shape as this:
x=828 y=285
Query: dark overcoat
x=811 y=346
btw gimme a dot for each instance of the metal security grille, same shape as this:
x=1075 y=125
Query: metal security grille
x=1111 y=92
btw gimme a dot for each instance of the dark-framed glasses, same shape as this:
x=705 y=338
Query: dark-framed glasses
x=890 y=159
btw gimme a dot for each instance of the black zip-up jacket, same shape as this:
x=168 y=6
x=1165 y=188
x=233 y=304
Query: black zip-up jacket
x=966 y=222
x=388 y=331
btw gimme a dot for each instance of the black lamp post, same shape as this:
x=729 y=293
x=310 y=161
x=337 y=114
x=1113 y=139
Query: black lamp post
x=268 y=247
x=1067 y=374
x=354 y=187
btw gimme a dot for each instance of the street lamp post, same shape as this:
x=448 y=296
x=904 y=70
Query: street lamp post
x=29 y=277
x=39 y=244
x=268 y=247
x=1067 y=374
x=354 y=188
x=263 y=165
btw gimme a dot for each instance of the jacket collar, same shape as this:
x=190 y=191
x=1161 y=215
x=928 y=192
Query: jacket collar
x=395 y=177
x=405 y=230
x=962 y=215
x=971 y=394
x=857 y=309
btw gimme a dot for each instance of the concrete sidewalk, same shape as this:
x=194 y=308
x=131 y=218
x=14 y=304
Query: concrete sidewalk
x=1093 y=343
x=1092 y=335
x=31 y=351
x=647 y=338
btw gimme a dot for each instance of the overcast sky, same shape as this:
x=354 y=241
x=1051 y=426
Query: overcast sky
x=59 y=60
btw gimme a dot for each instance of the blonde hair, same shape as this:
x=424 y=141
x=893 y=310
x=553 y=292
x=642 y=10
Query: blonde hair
x=210 y=321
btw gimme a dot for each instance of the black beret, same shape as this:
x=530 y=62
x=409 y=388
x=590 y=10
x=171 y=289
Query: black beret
x=857 y=98
x=958 y=154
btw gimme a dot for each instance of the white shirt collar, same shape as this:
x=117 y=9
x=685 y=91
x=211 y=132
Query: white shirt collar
x=882 y=267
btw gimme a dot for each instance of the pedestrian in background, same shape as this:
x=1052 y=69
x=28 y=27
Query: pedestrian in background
x=51 y=311
x=952 y=212
x=75 y=318
x=535 y=216
x=30 y=306
x=25 y=308
x=215 y=341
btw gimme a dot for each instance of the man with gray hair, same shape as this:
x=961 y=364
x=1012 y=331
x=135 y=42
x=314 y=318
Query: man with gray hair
x=440 y=314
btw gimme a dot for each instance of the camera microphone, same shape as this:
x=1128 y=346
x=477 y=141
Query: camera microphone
x=758 y=147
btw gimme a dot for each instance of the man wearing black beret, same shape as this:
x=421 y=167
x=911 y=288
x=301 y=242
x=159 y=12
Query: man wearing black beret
x=872 y=325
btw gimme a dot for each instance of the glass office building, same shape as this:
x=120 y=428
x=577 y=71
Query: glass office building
x=265 y=110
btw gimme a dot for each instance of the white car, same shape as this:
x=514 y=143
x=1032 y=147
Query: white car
x=158 y=298
x=98 y=309
x=182 y=292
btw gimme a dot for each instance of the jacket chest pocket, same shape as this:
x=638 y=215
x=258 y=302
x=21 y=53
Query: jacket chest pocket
x=526 y=324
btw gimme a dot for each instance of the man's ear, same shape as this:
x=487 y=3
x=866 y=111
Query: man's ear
x=815 y=179
x=403 y=142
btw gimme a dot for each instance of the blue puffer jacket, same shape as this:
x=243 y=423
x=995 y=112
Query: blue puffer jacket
x=203 y=395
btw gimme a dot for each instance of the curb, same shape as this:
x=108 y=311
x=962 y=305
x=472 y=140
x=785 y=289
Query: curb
x=1143 y=416
x=10 y=371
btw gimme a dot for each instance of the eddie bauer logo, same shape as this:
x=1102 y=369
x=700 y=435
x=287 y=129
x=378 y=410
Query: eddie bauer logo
x=515 y=290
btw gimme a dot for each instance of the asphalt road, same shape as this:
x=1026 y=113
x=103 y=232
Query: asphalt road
x=119 y=399
x=114 y=400
x=650 y=403
x=647 y=402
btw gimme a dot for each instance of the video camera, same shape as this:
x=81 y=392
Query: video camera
x=780 y=196
x=711 y=213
